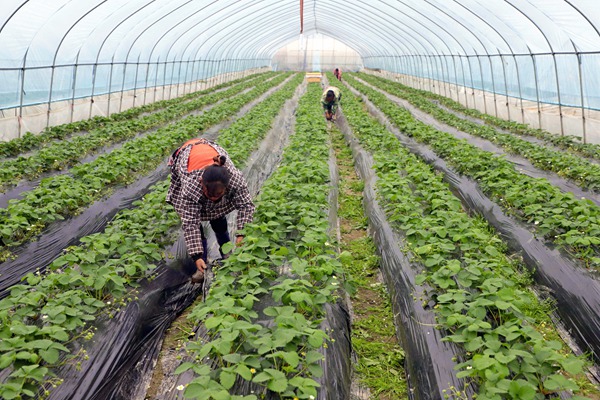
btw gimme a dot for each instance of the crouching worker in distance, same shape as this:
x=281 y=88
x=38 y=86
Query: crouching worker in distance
x=206 y=186
x=330 y=100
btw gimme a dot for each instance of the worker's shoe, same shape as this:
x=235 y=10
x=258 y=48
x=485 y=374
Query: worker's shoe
x=198 y=277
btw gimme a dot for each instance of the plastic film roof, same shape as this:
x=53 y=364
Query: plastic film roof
x=41 y=32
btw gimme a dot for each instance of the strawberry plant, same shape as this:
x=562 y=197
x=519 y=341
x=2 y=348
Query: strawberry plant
x=481 y=295
x=557 y=216
x=97 y=275
x=289 y=230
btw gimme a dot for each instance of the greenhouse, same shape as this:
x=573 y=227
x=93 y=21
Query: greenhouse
x=244 y=200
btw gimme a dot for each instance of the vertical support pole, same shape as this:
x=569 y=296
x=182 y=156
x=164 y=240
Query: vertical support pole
x=583 y=120
x=493 y=86
x=483 y=91
x=73 y=92
x=146 y=83
x=137 y=69
x=50 y=97
x=110 y=86
x=172 y=78
x=123 y=86
x=164 y=83
x=94 y=73
x=560 y=112
x=21 y=98
x=537 y=91
x=520 y=89
x=156 y=79
x=507 y=103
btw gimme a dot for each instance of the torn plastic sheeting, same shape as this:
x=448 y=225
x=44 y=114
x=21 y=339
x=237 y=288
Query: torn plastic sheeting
x=577 y=291
x=337 y=368
x=59 y=235
x=123 y=349
x=129 y=369
x=429 y=361
x=37 y=255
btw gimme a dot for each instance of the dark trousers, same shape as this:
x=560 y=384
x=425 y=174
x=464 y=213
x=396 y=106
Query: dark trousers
x=219 y=226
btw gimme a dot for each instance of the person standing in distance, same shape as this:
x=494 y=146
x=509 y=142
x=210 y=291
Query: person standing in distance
x=206 y=186
x=330 y=100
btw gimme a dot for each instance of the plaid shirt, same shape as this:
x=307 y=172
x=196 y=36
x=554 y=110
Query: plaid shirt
x=185 y=194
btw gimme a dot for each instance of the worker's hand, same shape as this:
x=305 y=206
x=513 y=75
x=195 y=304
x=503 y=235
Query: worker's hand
x=198 y=276
x=200 y=264
x=238 y=240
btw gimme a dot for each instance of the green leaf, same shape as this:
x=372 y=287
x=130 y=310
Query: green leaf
x=244 y=372
x=5 y=361
x=522 y=390
x=492 y=251
x=227 y=379
x=261 y=377
x=227 y=248
x=292 y=358
x=50 y=356
x=558 y=382
x=183 y=367
x=482 y=362
x=314 y=356
x=572 y=365
x=245 y=257
x=474 y=344
x=502 y=305
x=194 y=391
x=316 y=370
x=278 y=385
x=59 y=334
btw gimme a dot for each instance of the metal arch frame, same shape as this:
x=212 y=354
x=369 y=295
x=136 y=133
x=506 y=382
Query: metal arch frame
x=230 y=42
x=157 y=42
x=438 y=55
x=358 y=45
x=562 y=131
x=100 y=49
x=23 y=69
x=88 y=12
x=22 y=88
x=190 y=16
x=403 y=32
x=373 y=28
x=280 y=43
x=392 y=43
x=147 y=27
x=481 y=68
x=113 y=57
x=383 y=33
x=236 y=33
x=433 y=32
x=503 y=68
x=578 y=55
x=12 y=15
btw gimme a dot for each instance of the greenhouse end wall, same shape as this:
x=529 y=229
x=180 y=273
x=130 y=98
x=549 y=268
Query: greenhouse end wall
x=578 y=122
x=15 y=122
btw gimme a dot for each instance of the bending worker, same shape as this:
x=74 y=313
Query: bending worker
x=206 y=186
x=330 y=100
x=338 y=74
